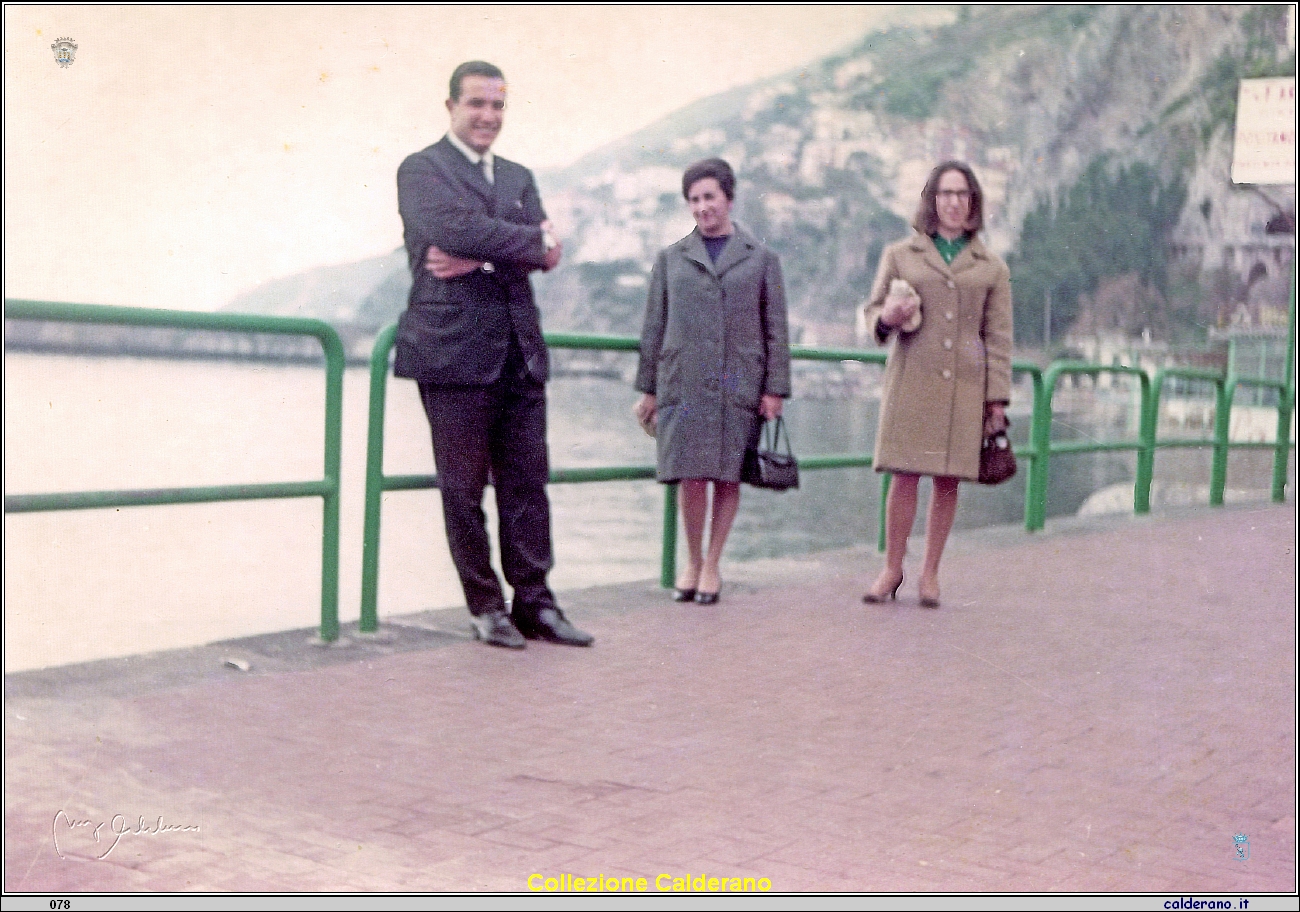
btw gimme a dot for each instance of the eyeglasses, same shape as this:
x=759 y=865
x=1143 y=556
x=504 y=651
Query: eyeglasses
x=953 y=194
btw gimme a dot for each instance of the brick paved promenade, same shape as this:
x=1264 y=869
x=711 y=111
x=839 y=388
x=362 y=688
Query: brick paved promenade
x=1096 y=708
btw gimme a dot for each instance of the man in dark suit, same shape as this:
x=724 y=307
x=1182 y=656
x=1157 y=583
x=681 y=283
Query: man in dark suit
x=471 y=337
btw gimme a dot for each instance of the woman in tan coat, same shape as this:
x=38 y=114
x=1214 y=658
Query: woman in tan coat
x=948 y=380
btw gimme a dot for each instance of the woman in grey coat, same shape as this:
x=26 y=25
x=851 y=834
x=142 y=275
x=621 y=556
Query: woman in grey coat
x=715 y=361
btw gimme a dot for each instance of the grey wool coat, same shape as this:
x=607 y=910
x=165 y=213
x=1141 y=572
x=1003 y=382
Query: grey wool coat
x=714 y=341
x=938 y=378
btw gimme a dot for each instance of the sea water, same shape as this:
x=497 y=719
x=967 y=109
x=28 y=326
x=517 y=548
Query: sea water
x=89 y=584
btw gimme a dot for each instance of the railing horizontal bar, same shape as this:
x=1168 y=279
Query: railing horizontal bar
x=148 y=497
x=1255 y=445
x=1239 y=445
x=1085 y=446
x=1162 y=444
x=624 y=473
x=18 y=309
x=838 y=354
x=1278 y=385
x=591 y=342
x=409 y=482
x=1084 y=367
x=835 y=461
x=603 y=473
x=1192 y=373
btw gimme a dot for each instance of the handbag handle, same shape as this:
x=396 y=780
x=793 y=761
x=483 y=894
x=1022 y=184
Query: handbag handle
x=772 y=438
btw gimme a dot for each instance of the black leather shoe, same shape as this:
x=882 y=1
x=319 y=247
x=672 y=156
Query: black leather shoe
x=550 y=625
x=707 y=598
x=496 y=629
x=683 y=595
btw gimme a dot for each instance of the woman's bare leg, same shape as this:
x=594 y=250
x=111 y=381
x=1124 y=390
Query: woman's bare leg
x=726 y=503
x=693 y=500
x=900 y=514
x=943 y=509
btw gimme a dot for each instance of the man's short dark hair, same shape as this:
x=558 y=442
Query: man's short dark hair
x=472 y=68
x=715 y=168
x=926 y=219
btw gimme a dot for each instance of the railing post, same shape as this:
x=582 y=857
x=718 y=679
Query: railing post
x=1040 y=432
x=374 y=479
x=1146 y=461
x=668 y=562
x=1286 y=403
x=1222 y=420
x=1282 y=450
x=886 y=479
x=329 y=571
x=1036 y=377
x=1146 y=455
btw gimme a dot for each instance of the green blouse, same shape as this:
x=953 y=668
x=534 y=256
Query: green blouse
x=949 y=249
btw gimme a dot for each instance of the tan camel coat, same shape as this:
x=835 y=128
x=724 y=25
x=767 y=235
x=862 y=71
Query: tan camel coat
x=938 y=378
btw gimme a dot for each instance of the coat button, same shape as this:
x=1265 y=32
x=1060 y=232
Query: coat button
x=947 y=374
x=950 y=315
x=952 y=284
x=947 y=343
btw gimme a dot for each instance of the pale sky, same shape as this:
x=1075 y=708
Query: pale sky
x=192 y=152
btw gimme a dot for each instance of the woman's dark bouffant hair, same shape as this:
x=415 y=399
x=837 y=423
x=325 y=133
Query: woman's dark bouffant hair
x=715 y=168
x=926 y=219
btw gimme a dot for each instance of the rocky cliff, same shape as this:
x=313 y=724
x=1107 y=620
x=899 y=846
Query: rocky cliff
x=831 y=158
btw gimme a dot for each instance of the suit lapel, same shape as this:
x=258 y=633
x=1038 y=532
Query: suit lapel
x=506 y=189
x=468 y=173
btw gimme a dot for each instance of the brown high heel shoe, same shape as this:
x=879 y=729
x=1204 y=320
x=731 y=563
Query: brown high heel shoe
x=878 y=594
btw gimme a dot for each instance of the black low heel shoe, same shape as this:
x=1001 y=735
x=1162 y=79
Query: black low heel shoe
x=707 y=598
x=683 y=595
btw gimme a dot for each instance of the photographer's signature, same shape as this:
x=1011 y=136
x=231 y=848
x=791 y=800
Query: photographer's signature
x=110 y=832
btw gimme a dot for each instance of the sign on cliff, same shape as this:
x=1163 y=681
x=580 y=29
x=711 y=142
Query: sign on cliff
x=1264 y=150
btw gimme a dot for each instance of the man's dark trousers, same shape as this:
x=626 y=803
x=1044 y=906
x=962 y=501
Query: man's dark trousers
x=498 y=428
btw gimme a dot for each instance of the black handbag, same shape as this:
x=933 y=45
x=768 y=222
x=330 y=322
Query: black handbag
x=766 y=466
x=997 y=461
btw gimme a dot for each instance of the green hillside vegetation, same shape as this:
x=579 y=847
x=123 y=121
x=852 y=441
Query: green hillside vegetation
x=1263 y=26
x=1116 y=222
x=1112 y=222
x=919 y=64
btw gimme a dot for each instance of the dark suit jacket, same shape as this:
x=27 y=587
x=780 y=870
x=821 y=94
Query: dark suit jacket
x=457 y=331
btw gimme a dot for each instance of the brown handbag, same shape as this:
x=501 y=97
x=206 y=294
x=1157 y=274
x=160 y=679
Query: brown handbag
x=997 y=460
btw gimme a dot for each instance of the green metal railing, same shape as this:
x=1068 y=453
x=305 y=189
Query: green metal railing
x=1037 y=454
x=1147 y=431
x=377 y=482
x=326 y=488
x=1042 y=447
x=1040 y=433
